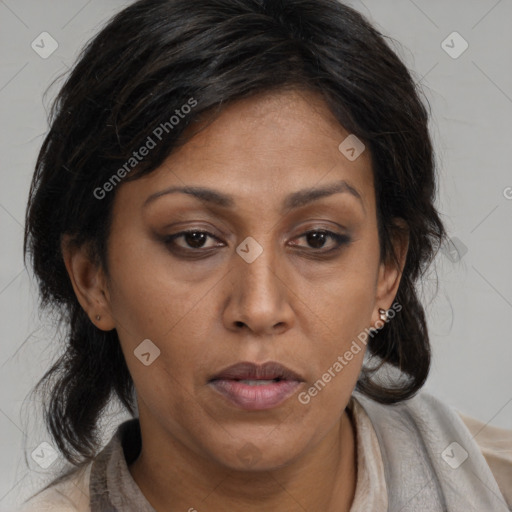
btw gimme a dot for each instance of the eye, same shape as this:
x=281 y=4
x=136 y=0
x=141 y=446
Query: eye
x=193 y=239
x=317 y=239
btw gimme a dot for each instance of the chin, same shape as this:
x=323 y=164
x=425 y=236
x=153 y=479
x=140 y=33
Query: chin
x=253 y=456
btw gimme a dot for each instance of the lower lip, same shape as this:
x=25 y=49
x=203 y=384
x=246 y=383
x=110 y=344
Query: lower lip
x=254 y=398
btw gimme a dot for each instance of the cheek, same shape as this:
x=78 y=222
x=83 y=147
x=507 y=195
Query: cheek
x=344 y=303
x=149 y=301
x=345 y=297
x=165 y=391
x=151 y=293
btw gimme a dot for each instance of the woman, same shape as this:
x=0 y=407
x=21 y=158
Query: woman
x=231 y=210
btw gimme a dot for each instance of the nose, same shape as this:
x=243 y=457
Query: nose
x=259 y=296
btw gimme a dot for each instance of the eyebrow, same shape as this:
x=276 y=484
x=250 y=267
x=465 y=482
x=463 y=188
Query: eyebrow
x=291 y=202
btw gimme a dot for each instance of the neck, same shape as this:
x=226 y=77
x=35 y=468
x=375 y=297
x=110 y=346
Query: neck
x=172 y=477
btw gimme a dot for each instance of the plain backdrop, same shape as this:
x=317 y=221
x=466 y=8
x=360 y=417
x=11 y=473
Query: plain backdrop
x=470 y=94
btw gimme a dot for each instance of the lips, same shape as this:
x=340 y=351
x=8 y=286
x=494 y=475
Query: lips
x=251 y=371
x=256 y=387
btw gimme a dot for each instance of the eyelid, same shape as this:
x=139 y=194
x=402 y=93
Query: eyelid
x=339 y=240
x=180 y=234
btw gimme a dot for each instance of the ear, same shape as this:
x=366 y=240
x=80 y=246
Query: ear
x=390 y=272
x=89 y=283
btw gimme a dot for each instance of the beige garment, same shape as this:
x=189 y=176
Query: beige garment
x=371 y=493
x=72 y=495
x=496 y=446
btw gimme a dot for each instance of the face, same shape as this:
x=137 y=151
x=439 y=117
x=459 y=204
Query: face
x=267 y=272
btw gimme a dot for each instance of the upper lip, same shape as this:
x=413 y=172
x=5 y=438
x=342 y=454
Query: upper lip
x=252 y=371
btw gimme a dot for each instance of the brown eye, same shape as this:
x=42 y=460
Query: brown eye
x=317 y=239
x=193 y=239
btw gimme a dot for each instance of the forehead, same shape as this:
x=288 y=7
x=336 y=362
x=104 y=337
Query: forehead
x=264 y=146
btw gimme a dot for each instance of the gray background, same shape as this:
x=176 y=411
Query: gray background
x=471 y=99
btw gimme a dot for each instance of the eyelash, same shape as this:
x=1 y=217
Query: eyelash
x=340 y=240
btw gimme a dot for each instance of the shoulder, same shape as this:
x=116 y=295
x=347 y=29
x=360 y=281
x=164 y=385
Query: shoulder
x=432 y=418
x=496 y=446
x=425 y=411
x=69 y=494
x=446 y=440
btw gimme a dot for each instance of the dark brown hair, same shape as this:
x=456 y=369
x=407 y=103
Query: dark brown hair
x=150 y=59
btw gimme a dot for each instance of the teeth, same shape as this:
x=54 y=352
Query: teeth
x=257 y=382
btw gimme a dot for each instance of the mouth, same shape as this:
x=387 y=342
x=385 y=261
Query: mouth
x=256 y=387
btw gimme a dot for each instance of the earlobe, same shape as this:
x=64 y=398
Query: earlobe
x=89 y=283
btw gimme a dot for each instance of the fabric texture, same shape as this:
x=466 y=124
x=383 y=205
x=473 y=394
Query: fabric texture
x=431 y=462
x=405 y=456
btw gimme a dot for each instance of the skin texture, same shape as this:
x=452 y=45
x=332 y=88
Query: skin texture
x=292 y=305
